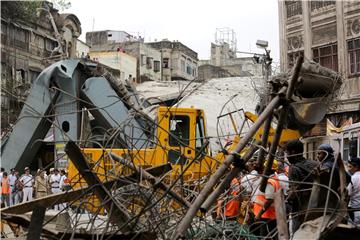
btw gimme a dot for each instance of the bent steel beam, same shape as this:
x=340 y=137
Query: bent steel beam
x=111 y=113
x=113 y=207
x=153 y=180
x=33 y=122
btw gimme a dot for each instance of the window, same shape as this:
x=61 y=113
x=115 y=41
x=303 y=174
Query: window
x=21 y=39
x=156 y=66
x=293 y=8
x=327 y=56
x=3 y=33
x=20 y=77
x=320 y=4
x=166 y=63
x=188 y=69
x=179 y=131
x=143 y=59
x=49 y=45
x=353 y=47
x=200 y=134
x=292 y=57
x=182 y=63
x=149 y=63
x=346 y=149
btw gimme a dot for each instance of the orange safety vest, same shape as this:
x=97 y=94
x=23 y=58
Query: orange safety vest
x=232 y=207
x=5 y=187
x=260 y=200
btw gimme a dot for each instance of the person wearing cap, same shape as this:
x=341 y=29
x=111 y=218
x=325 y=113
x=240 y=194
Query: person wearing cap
x=325 y=155
x=12 y=182
x=354 y=190
x=264 y=209
x=55 y=185
x=27 y=181
x=41 y=184
x=300 y=170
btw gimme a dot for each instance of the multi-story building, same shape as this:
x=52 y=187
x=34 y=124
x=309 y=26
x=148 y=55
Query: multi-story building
x=148 y=59
x=98 y=40
x=225 y=63
x=27 y=47
x=125 y=63
x=179 y=62
x=327 y=32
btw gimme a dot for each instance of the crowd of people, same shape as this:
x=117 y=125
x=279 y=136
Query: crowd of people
x=17 y=189
x=245 y=204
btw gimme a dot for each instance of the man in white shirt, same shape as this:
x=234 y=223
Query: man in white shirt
x=27 y=181
x=55 y=185
x=12 y=182
x=354 y=190
x=250 y=182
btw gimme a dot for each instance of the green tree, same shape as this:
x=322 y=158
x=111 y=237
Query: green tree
x=20 y=10
x=27 y=10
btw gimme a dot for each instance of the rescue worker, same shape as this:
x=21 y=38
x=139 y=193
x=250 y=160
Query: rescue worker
x=354 y=190
x=264 y=209
x=55 y=185
x=230 y=203
x=5 y=189
x=41 y=185
x=300 y=170
x=27 y=181
x=12 y=182
x=250 y=182
x=325 y=155
x=249 y=185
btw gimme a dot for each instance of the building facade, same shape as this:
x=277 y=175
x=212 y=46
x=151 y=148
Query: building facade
x=82 y=49
x=224 y=62
x=109 y=39
x=121 y=61
x=148 y=59
x=179 y=62
x=27 y=47
x=327 y=32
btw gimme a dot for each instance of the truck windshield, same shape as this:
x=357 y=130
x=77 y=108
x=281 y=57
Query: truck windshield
x=200 y=133
x=179 y=131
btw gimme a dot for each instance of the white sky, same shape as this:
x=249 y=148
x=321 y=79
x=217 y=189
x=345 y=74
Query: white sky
x=192 y=22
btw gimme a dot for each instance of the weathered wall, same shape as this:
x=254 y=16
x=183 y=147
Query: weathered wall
x=123 y=62
x=81 y=49
x=208 y=71
x=309 y=25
